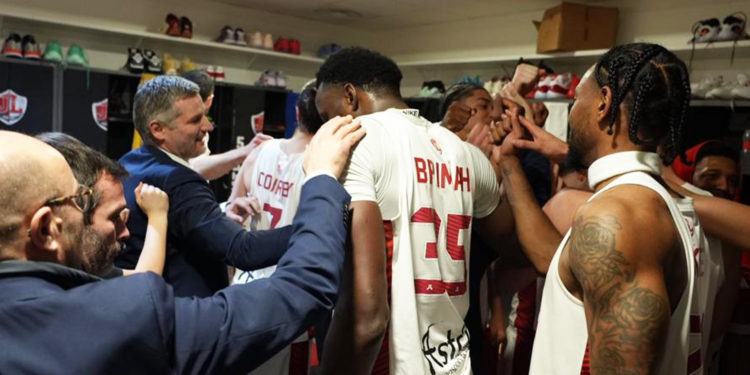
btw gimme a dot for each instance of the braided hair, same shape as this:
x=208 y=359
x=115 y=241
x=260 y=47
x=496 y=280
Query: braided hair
x=654 y=86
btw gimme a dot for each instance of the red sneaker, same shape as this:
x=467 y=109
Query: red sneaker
x=281 y=45
x=295 y=47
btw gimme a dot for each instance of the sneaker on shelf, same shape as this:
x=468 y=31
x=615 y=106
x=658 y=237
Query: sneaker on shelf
x=211 y=71
x=76 y=56
x=153 y=62
x=186 y=65
x=268 y=41
x=573 y=84
x=725 y=90
x=31 y=48
x=53 y=52
x=186 y=28
x=173 y=25
x=742 y=90
x=135 y=63
x=12 y=46
x=256 y=40
x=705 y=31
x=226 y=35
x=700 y=89
x=219 y=75
x=281 y=45
x=295 y=47
x=543 y=87
x=280 y=79
x=560 y=86
x=267 y=78
x=171 y=65
x=733 y=28
x=239 y=37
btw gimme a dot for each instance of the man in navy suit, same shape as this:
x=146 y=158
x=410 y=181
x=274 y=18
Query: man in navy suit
x=169 y=115
x=56 y=318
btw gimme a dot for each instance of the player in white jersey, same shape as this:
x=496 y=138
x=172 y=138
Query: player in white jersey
x=621 y=284
x=417 y=190
x=274 y=179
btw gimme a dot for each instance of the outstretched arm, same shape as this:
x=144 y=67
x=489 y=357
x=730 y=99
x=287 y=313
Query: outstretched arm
x=155 y=203
x=620 y=270
x=212 y=167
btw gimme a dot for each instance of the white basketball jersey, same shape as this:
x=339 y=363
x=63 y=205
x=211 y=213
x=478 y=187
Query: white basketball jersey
x=429 y=185
x=709 y=276
x=562 y=333
x=276 y=181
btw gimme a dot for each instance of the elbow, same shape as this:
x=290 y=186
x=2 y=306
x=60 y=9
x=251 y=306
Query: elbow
x=372 y=327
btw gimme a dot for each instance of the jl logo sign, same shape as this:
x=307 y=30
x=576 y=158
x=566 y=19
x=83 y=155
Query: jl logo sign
x=99 y=111
x=12 y=107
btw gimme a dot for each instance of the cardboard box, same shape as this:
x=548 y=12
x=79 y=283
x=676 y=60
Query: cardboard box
x=573 y=27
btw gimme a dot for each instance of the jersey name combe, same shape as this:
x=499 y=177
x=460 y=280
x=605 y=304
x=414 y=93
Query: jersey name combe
x=274 y=185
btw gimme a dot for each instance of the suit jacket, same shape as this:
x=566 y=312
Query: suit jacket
x=58 y=320
x=201 y=240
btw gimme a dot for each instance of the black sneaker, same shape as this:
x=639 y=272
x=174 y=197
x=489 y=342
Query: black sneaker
x=136 y=62
x=12 y=46
x=153 y=62
x=31 y=48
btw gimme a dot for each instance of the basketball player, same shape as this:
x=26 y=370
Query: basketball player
x=417 y=191
x=274 y=179
x=621 y=285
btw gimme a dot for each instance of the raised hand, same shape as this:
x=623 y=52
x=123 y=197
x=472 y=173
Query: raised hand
x=151 y=199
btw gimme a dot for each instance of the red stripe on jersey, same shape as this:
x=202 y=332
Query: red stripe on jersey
x=694 y=362
x=422 y=286
x=586 y=366
x=525 y=330
x=298 y=358
x=382 y=362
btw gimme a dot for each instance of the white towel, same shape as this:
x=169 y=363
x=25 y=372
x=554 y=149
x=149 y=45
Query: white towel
x=557 y=120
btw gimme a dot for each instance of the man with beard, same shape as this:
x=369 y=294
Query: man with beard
x=105 y=228
x=620 y=286
x=105 y=223
x=56 y=317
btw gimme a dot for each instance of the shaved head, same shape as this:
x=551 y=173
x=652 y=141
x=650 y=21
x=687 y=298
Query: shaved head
x=31 y=172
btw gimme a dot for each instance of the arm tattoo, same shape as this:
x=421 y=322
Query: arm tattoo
x=627 y=322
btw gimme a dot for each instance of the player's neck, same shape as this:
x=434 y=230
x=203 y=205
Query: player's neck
x=382 y=104
x=296 y=144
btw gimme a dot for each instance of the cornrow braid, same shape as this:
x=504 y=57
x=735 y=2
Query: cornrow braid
x=654 y=87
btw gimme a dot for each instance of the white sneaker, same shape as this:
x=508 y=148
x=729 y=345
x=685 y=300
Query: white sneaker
x=544 y=86
x=560 y=86
x=256 y=40
x=725 y=91
x=268 y=41
x=700 y=89
x=742 y=91
x=280 y=79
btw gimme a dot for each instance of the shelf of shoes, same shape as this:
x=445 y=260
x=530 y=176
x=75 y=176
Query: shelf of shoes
x=86 y=24
x=702 y=51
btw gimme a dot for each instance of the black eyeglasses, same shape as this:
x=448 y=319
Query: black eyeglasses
x=83 y=199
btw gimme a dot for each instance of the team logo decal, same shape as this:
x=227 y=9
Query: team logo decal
x=435 y=144
x=99 y=111
x=257 y=122
x=12 y=107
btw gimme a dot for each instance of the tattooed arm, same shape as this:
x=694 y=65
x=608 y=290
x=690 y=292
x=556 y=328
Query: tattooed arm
x=618 y=252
